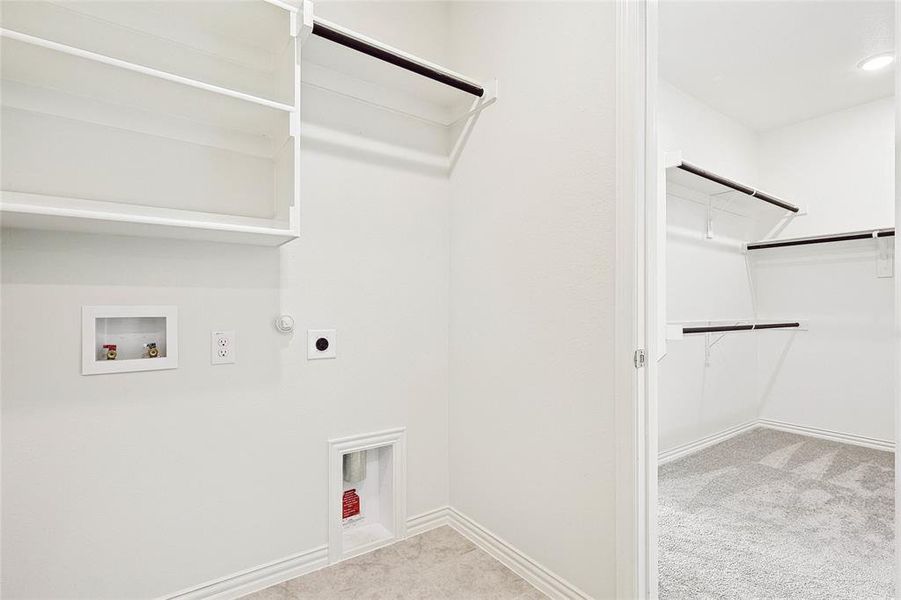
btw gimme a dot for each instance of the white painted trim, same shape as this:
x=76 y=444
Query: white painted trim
x=428 y=520
x=396 y=438
x=896 y=347
x=535 y=573
x=257 y=578
x=705 y=442
x=829 y=434
x=730 y=432
x=636 y=300
x=245 y=582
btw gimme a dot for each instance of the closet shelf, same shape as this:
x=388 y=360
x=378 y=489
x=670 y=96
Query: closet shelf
x=741 y=327
x=710 y=184
x=151 y=120
x=824 y=239
x=383 y=52
x=33 y=211
x=136 y=68
x=348 y=63
x=677 y=330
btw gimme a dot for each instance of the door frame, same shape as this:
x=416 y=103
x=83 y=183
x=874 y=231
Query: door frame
x=635 y=299
x=897 y=288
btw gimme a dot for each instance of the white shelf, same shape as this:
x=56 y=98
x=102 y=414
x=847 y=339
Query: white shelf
x=351 y=73
x=54 y=213
x=239 y=46
x=692 y=183
x=43 y=64
x=93 y=142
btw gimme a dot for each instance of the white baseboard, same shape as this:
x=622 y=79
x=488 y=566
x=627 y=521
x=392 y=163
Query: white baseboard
x=828 y=434
x=252 y=580
x=705 y=442
x=539 y=576
x=542 y=578
x=428 y=520
x=258 y=578
x=823 y=434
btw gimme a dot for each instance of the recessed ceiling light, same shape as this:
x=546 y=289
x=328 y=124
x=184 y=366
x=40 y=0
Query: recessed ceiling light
x=874 y=63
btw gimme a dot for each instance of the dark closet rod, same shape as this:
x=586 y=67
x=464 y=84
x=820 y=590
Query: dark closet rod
x=748 y=327
x=739 y=187
x=340 y=37
x=824 y=239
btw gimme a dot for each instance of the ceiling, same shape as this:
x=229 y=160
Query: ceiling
x=768 y=64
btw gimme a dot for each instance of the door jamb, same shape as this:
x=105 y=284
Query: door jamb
x=636 y=289
x=897 y=288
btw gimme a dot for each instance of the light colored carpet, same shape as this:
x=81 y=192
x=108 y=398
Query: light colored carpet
x=769 y=514
x=439 y=564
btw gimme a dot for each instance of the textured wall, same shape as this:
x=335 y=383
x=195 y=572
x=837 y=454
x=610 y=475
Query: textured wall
x=532 y=238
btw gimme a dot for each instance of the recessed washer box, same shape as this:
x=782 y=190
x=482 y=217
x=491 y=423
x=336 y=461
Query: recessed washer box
x=121 y=339
x=380 y=491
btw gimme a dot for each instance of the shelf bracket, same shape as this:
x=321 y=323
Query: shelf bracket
x=479 y=104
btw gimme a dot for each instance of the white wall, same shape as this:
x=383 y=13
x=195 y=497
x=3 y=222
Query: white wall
x=532 y=238
x=705 y=279
x=139 y=485
x=705 y=137
x=838 y=167
x=837 y=375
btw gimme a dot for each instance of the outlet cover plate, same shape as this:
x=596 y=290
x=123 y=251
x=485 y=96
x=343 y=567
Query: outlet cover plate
x=222 y=347
x=313 y=338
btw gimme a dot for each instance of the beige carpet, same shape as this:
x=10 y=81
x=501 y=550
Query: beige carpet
x=439 y=564
x=769 y=514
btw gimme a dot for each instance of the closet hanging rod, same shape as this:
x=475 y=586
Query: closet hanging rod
x=747 y=327
x=824 y=239
x=350 y=39
x=739 y=187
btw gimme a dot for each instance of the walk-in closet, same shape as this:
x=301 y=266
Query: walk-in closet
x=776 y=129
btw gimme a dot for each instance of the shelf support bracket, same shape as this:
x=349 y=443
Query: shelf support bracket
x=480 y=104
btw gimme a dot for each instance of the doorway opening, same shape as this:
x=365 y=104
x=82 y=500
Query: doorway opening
x=772 y=290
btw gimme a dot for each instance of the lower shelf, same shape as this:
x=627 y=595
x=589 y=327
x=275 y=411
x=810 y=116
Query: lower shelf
x=32 y=211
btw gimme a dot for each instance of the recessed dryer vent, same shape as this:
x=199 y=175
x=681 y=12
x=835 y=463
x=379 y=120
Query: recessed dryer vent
x=367 y=506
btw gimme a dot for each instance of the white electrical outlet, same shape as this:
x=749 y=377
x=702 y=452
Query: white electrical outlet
x=321 y=343
x=222 y=347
